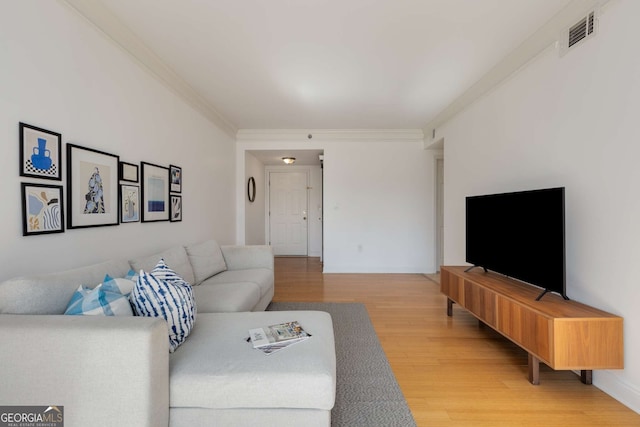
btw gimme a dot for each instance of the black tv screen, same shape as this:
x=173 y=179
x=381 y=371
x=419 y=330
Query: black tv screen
x=520 y=235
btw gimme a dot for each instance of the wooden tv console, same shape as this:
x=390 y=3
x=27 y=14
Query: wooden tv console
x=565 y=335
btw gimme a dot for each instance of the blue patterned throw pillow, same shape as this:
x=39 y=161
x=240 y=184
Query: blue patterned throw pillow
x=132 y=275
x=162 y=293
x=100 y=301
x=123 y=286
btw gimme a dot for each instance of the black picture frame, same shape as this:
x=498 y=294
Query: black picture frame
x=129 y=203
x=175 y=177
x=92 y=187
x=129 y=172
x=42 y=209
x=155 y=193
x=40 y=152
x=176 y=208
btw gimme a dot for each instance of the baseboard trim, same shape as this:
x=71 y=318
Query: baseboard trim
x=359 y=269
x=614 y=386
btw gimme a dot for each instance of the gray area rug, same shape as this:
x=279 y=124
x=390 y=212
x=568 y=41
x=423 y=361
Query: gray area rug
x=367 y=393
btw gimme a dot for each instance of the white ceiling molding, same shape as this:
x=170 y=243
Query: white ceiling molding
x=546 y=36
x=255 y=135
x=436 y=145
x=95 y=12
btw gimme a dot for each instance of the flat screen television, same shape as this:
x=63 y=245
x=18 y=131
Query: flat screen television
x=520 y=235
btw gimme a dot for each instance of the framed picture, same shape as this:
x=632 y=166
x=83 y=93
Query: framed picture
x=155 y=193
x=176 y=178
x=176 y=208
x=92 y=186
x=40 y=155
x=129 y=203
x=128 y=172
x=42 y=210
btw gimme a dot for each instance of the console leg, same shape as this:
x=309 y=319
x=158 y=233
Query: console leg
x=534 y=370
x=449 y=307
x=586 y=376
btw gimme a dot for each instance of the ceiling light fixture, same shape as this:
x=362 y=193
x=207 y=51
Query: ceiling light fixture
x=289 y=160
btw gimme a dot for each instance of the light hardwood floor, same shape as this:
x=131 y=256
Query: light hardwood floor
x=452 y=371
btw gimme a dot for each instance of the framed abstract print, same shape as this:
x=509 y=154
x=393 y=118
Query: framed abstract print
x=42 y=209
x=40 y=152
x=155 y=193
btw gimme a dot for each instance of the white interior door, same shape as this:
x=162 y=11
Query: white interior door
x=288 y=211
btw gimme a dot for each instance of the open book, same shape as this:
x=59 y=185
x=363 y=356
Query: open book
x=275 y=337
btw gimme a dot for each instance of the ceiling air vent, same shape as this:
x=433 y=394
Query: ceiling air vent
x=583 y=29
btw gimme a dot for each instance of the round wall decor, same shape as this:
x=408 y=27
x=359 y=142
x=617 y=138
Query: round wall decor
x=251 y=189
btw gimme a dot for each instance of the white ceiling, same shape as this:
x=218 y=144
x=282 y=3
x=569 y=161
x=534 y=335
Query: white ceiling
x=274 y=157
x=329 y=64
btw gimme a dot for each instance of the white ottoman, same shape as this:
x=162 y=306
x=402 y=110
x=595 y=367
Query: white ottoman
x=217 y=378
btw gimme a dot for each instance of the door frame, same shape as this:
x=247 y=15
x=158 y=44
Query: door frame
x=267 y=201
x=438 y=211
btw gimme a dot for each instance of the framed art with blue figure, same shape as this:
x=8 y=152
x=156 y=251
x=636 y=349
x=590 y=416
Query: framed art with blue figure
x=92 y=187
x=40 y=152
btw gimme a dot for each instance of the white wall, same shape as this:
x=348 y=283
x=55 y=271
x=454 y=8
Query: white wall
x=58 y=72
x=572 y=122
x=255 y=212
x=378 y=210
x=378 y=200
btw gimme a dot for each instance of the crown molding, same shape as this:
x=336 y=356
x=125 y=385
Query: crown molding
x=106 y=22
x=542 y=39
x=267 y=135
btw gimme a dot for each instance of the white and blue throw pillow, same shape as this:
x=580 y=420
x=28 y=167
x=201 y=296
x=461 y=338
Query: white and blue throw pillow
x=99 y=301
x=162 y=293
x=122 y=285
x=132 y=275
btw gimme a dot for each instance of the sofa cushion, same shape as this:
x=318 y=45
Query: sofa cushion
x=263 y=277
x=227 y=372
x=171 y=299
x=206 y=260
x=50 y=293
x=103 y=300
x=176 y=257
x=226 y=297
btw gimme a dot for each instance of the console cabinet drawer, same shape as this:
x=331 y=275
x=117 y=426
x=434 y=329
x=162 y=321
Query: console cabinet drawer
x=481 y=302
x=452 y=286
x=530 y=330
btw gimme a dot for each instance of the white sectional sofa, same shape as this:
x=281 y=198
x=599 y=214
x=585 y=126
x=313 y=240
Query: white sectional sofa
x=109 y=371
